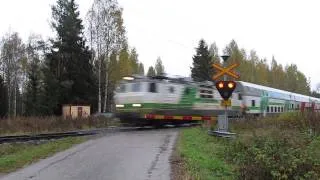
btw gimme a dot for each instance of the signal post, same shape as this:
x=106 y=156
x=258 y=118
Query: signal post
x=225 y=89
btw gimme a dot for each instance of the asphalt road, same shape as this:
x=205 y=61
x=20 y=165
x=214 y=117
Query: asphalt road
x=141 y=155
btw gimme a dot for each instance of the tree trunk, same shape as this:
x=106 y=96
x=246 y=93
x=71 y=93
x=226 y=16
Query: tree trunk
x=99 y=80
x=106 y=87
x=15 y=99
x=9 y=98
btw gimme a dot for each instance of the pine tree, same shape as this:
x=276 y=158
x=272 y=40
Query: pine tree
x=141 y=69
x=134 y=61
x=69 y=74
x=32 y=95
x=125 y=65
x=202 y=63
x=159 y=68
x=315 y=94
x=151 y=72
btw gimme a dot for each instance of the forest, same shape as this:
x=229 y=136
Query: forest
x=86 y=58
x=251 y=68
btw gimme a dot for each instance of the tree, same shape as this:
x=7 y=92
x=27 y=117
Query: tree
x=108 y=33
x=262 y=72
x=237 y=55
x=251 y=69
x=12 y=51
x=33 y=86
x=214 y=53
x=159 y=68
x=125 y=65
x=69 y=77
x=134 y=61
x=3 y=98
x=202 y=63
x=318 y=88
x=141 y=69
x=315 y=94
x=151 y=72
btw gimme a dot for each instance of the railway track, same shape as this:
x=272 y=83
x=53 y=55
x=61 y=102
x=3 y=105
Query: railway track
x=59 y=135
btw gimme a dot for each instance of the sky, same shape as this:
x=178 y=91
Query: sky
x=289 y=30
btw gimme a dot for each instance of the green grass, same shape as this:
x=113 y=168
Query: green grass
x=284 y=147
x=14 y=156
x=204 y=155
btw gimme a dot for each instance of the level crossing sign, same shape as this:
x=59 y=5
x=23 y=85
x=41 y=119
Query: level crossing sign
x=225 y=71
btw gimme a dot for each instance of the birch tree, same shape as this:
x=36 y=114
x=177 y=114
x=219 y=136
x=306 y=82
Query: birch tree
x=108 y=35
x=12 y=53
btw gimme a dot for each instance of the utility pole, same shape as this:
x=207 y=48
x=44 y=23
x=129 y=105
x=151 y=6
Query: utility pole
x=225 y=58
x=225 y=89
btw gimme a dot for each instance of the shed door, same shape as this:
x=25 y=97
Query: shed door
x=80 y=111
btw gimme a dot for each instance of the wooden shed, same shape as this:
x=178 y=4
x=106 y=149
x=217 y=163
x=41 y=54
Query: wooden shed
x=75 y=111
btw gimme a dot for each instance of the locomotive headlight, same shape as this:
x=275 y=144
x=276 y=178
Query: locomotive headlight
x=119 y=105
x=128 y=78
x=136 y=105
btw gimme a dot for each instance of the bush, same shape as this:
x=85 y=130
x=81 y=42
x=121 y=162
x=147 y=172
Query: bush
x=300 y=121
x=279 y=155
x=297 y=121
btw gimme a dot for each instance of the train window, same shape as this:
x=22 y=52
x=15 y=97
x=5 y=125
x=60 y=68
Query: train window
x=253 y=103
x=205 y=92
x=271 y=108
x=291 y=106
x=206 y=96
x=171 y=89
x=268 y=108
x=239 y=96
x=275 y=109
x=152 y=87
x=282 y=109
x=122 y=88
x=279 y=109
x=135 y=87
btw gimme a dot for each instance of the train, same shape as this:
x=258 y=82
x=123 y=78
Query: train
x=158 y=100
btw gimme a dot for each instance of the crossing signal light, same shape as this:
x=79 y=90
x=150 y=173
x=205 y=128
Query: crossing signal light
x=225 y=88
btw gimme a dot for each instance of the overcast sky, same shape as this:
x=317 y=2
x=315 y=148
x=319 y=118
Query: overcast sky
x=171 y=29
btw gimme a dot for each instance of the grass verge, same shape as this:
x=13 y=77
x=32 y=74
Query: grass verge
x=35 y=125
x=14 y=156
x=284 y=147
x=201 y=156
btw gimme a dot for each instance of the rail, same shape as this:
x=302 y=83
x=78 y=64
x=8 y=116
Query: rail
x=58 y=135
